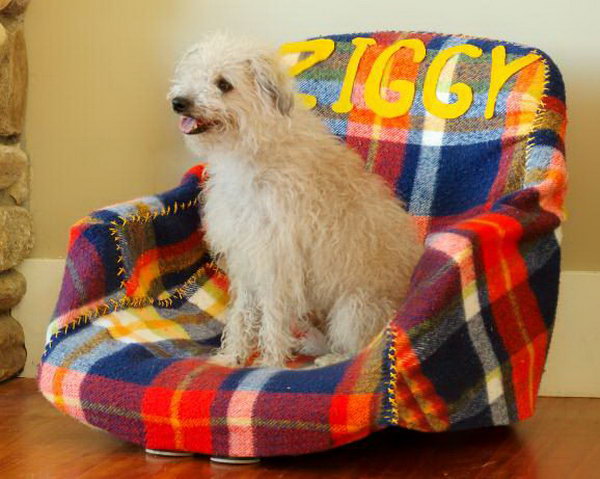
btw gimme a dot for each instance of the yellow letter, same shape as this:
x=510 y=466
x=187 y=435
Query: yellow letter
x=344 y=102
x=321 y=49
x=500 y=74
x=463 y=92
x=405 y=88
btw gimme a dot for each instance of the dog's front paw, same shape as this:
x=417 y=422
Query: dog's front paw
x=329 y=359
x=271 y=361
x=226 y=359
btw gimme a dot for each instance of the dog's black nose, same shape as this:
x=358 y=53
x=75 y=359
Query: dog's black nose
x=180 y=104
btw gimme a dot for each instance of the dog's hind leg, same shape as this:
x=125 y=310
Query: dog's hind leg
x=352 y=323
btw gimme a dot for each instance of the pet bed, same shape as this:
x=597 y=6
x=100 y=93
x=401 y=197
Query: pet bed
x=469 y=132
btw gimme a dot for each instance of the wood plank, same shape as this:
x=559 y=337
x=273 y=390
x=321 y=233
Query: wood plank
x=561 y=441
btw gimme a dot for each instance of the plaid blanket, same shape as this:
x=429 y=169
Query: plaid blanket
x=142 y=303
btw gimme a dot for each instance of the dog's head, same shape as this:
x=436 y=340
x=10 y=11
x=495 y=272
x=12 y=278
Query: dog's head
x=229 y=93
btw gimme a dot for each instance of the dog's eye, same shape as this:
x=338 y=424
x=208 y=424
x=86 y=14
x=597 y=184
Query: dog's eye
x=224 y=85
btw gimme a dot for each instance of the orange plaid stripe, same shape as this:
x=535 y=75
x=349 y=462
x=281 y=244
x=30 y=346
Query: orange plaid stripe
x=416 y=402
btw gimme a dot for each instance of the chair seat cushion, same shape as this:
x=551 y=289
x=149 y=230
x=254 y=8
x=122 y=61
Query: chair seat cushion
x=142 y=374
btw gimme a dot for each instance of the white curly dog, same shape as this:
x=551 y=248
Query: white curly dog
x=308 y=237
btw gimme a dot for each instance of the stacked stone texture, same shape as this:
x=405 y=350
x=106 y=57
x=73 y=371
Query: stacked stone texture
x=16 y=237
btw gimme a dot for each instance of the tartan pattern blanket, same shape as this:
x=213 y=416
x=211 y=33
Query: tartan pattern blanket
x=142 y=304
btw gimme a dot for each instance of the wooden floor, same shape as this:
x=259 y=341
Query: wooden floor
x=561 y=441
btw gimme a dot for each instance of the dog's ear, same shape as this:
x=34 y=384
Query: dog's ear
x=272 y=83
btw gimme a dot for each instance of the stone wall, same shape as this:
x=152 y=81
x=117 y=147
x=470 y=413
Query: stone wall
x=16 y=238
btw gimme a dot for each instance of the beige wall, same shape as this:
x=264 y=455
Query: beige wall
x=99 y=129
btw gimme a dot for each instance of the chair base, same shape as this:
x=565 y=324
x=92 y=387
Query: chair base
x=237 y=461
x=162 y=452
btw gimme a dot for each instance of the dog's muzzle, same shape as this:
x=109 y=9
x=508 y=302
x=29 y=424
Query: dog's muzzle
x=188 y=124
x=193 y=126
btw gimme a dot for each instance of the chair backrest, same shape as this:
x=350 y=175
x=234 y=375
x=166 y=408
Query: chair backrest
x=447 y=120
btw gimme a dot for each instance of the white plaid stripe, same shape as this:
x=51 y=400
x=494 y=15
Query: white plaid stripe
x=240 y=411
x=425 y=182
x=461 y=251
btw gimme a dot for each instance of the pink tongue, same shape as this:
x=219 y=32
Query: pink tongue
x=188 y=124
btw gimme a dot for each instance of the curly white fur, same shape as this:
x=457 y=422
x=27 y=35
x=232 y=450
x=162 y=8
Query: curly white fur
x=304 y=230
